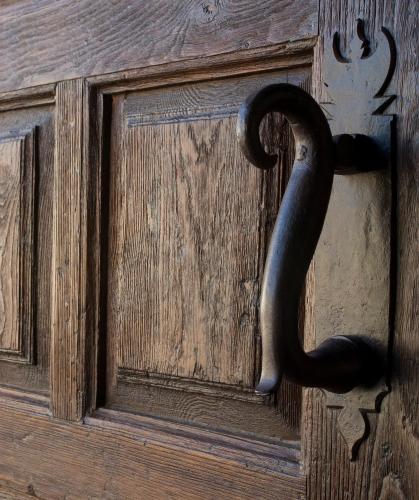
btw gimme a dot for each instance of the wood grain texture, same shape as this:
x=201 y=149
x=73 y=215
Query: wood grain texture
x=67 y=390
x=27 y=98
x=256 y=454
x=10 y=494
x=187 y=231
x=113 y=455
x=11 y=169
x=285 y=55
x=187 y=285
x=17 y=174
x=106 y=459
x=389 y=460
x=101 y=150
x=67 y=39
x=26 y=118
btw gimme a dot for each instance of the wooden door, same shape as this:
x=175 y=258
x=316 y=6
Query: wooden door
x=133 y=238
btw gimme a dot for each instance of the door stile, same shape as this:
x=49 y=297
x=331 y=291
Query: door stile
x=68 y=267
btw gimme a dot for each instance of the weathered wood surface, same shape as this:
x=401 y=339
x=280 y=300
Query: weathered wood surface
x=17 y=221
x=389 y=460
x=11 y=169
x=25 y=363
x=51 y=41
x=49 y=458
x=188 y=224
x=67 y=363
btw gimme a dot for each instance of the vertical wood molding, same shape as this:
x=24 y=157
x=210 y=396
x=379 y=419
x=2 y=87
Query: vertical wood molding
x=388 y=461
x=67 y=357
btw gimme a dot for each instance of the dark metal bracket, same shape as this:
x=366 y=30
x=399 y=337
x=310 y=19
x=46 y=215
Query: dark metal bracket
x=359 y=106
x=348 y=134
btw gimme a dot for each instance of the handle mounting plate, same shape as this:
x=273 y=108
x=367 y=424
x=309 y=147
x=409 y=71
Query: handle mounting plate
x=355 y=255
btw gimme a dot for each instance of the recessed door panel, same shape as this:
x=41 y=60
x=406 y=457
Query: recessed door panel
x=188 y=222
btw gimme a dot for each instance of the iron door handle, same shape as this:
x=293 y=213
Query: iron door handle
x=341 y=362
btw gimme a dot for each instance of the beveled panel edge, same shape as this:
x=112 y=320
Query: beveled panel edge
x=21 y=400
x=25 y=353
x=201 y=114
x=185 y=384
x=27 y=98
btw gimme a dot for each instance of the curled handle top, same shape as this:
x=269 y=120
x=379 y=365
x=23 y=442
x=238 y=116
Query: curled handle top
x=340 y=363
